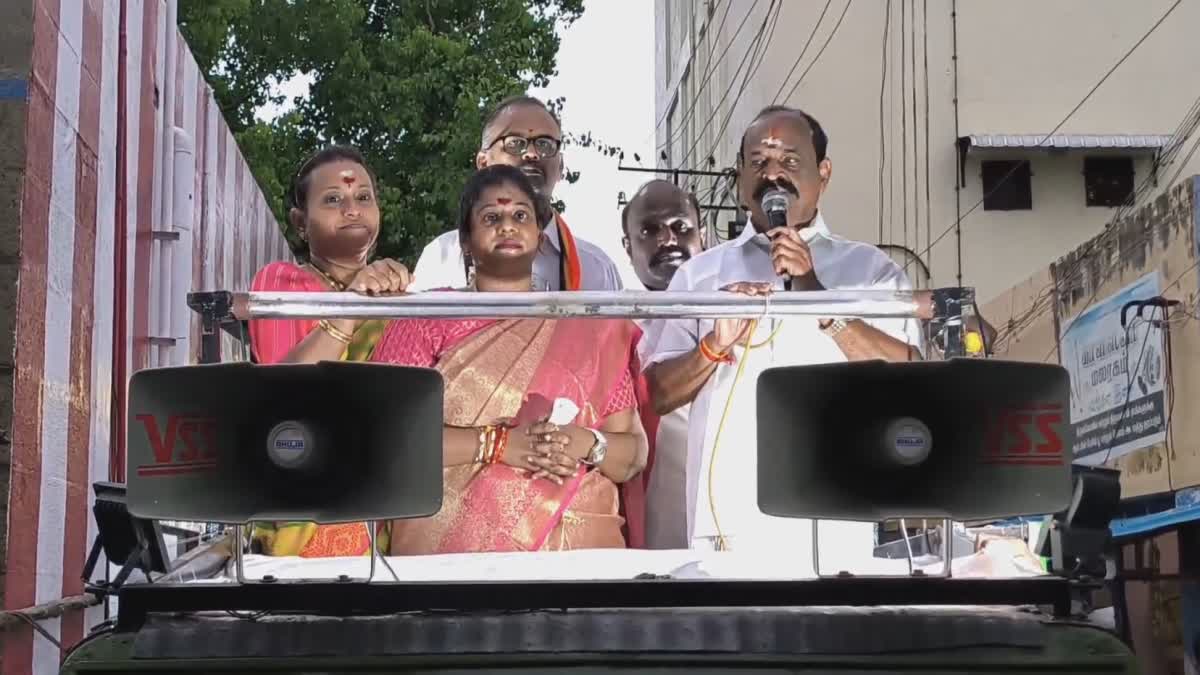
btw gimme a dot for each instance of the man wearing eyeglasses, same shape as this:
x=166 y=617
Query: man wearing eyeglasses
x=522 y=132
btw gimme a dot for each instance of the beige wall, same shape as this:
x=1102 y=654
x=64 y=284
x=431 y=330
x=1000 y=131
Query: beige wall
x=1000 y=247
x=1022 y=66
x=1160 y=237
x=1025 y=63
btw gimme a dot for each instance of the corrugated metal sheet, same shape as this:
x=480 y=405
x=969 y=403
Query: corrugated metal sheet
x=1073 y=141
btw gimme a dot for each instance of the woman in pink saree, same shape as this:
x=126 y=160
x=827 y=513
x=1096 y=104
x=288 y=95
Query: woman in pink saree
x=515 y=481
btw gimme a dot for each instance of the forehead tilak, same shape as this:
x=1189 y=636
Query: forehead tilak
x=771 y=140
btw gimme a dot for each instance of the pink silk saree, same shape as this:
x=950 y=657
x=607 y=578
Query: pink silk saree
x=511 y=371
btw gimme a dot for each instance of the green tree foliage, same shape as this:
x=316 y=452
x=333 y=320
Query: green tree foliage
x=407 y=81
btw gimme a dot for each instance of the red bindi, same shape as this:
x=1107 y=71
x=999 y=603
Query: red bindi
x=348 y=180
x=503 y=200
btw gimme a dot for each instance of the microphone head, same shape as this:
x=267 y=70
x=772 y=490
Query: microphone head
x=776 y=200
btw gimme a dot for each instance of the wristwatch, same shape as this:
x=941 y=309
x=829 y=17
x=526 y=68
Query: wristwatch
x=599 y=449
x=834 y=327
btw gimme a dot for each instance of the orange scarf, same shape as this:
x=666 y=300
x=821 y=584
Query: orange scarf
x=572 y=270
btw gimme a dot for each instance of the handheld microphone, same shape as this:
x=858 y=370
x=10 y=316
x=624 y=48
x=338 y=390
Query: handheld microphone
x=775 y=202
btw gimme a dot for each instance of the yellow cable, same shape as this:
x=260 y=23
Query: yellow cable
x=722 y=545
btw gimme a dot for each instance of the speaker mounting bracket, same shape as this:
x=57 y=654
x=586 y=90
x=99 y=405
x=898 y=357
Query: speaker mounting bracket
x=215 y=309
x=102 y=589
x=947 y=555
x=948 y=304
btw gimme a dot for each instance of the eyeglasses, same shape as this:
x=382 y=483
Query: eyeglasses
x=545 y=146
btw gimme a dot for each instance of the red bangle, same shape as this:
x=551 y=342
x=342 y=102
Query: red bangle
x=500 y=445
x=709 y=354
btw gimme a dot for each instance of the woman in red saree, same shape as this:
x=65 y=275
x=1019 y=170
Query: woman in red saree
x=515 y=481
x=334 y=212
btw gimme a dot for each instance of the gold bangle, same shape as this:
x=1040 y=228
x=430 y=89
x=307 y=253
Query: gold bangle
x=481 y=453
x=490 y=454
x=334 y=332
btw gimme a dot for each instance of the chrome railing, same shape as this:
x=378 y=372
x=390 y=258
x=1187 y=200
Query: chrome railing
x=869 y=304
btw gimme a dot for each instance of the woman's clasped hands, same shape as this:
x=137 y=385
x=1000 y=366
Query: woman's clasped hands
x=547 y=450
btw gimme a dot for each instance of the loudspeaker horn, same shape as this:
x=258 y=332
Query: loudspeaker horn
x=966 y=439
x=329 y=442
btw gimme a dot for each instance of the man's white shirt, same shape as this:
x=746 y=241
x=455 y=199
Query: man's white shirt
x=667 y=490
x=839 y=264
x=441 y=265
x=666 y=487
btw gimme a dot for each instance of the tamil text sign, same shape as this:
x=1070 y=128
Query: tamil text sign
x=1118 y=402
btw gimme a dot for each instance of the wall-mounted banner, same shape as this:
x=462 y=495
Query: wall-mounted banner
x=1118 y=401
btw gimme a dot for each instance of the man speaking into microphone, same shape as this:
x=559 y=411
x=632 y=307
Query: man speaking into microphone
x=783 y=170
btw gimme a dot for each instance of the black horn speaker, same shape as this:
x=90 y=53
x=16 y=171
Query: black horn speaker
x=329 y=442
x=966 y=439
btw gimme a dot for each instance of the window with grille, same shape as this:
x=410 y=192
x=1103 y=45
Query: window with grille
x=1107 y=181
x=1007 y=185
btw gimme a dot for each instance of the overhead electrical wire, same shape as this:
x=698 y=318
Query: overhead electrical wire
x=709 y=71
x=753 y=52
x=1186 y=161
x=927 y=259
x=1092 y=299
x=692 y=56
x=1047 y=296
x=891 y=130
x=821 y=51
x=1044 y=301
x=803 y=51
x=912 y=45
x=689 y=110
x=1164 y=326
x=815 y=60
x=1057 y=127
x=757 y=57
x=887 y=24
x=903 y=127
x=1130 y=380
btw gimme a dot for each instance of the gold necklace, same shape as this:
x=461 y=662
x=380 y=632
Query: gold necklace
x=334 y=283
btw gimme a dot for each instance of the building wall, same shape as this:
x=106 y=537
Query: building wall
x=1159 y=238
x=16 y=39
x=79 y=188
x=1024 y=64
x=1021 y=67
x=1000 y=247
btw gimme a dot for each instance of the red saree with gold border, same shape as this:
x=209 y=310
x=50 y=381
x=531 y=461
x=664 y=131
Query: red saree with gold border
x=512 y=371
